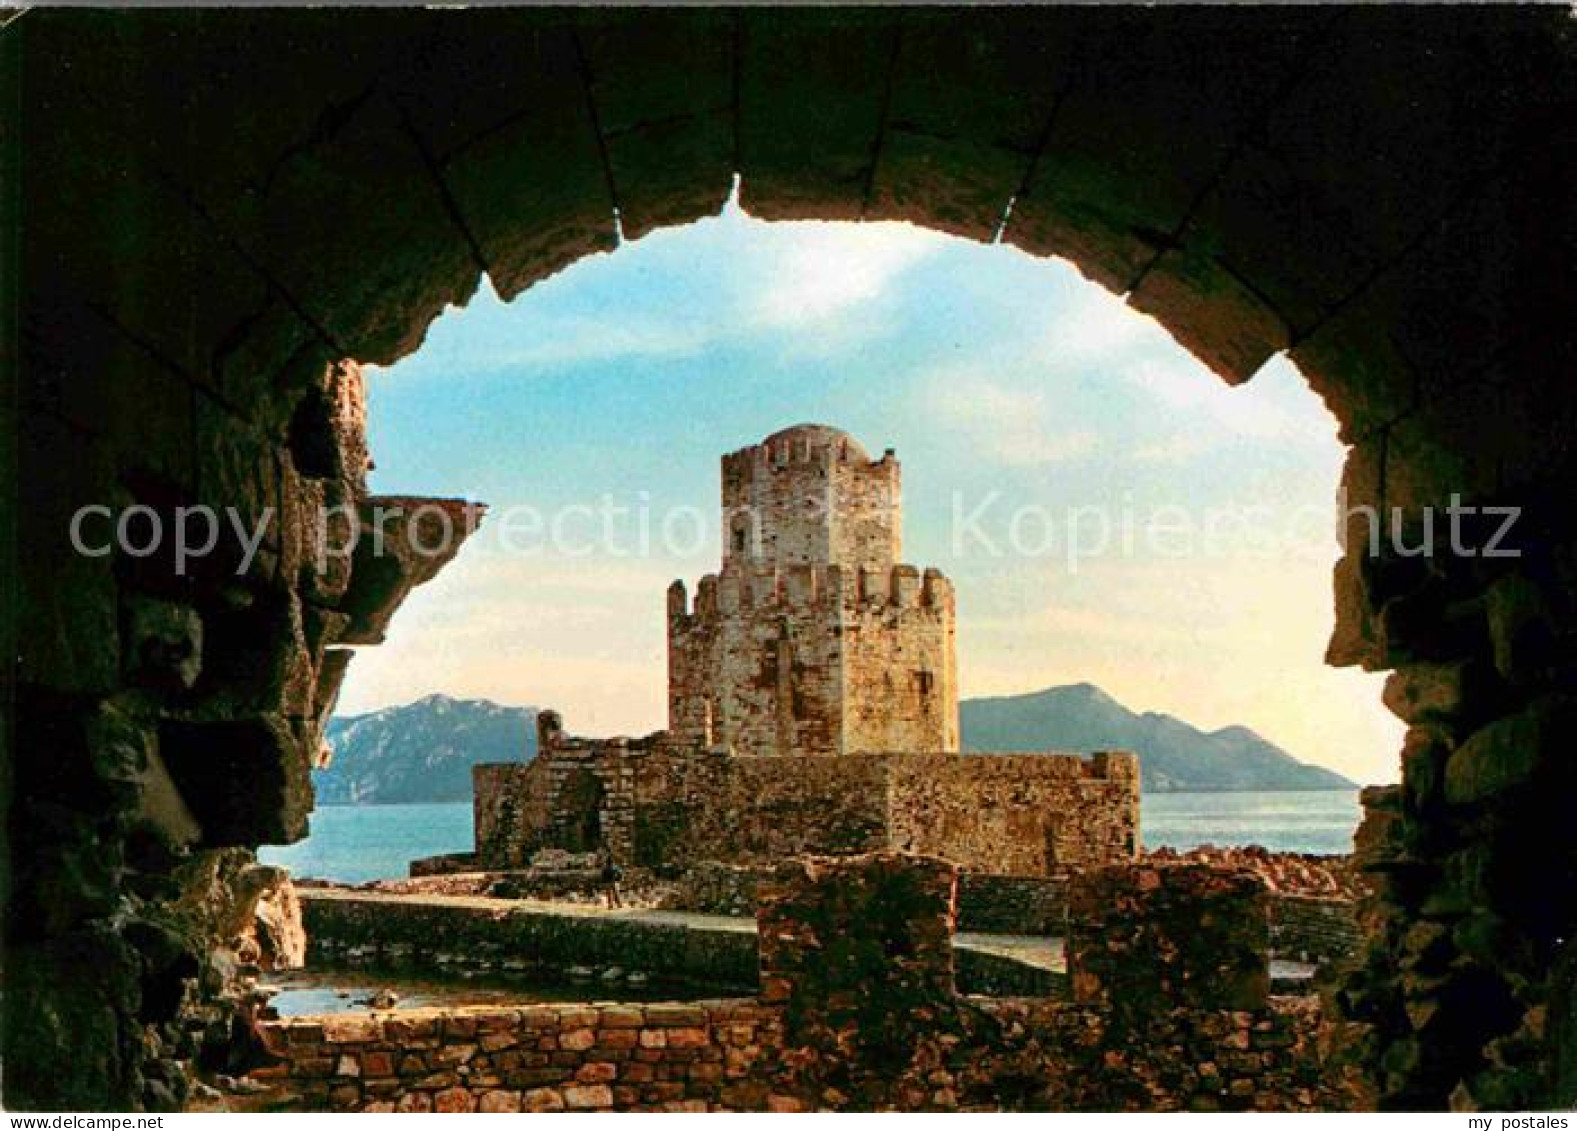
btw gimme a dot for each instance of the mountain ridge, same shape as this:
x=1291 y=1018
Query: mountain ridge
x=1174 y=755
x=423 y=751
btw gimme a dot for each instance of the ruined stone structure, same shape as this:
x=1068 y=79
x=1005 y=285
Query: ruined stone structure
x=813 y=705
x=652 y=802
x=814 y=638
x=858 y=1007
x=212 y=208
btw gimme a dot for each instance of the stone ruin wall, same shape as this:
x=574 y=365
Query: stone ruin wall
x=757 y=665
x=510 y=808
x=849 y=1028
x=996 y=814
x=814 y=659
x=900 y=664
x=1017 y=814
x=658 y=804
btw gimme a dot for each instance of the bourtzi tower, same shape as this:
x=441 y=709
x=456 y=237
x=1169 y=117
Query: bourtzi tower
x=813 y=638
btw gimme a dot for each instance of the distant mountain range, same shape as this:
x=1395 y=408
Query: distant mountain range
x=424 y=751
x=1173 y=756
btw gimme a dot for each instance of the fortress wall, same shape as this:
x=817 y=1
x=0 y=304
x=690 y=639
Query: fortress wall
x=510 y=811
x=1017 y=814
x=899 y=663
x=814 y=660
x=840 y=1027
x=760 y=810
x=659 y=803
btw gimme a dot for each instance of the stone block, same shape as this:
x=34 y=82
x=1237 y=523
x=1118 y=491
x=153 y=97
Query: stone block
x=246 y=782
x=832 y=926
x=588 y=1097
x=453 y=1101
x=1510 y=753
x=498 y=1102
x=810 y=112
x=1148 y=939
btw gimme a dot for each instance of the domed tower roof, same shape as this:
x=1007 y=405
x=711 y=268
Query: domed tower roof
x=819 y=436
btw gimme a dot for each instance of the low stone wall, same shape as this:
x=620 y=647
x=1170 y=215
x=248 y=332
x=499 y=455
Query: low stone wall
x=1013 y=905
x=1272 y=1059
x=725 y=1055
x=662 y=1057
x=858 y=1011
x=447 y=864
x=491 y=935
x=1311 y=929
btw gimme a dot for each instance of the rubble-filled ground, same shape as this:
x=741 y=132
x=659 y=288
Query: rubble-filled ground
x=1285 y=873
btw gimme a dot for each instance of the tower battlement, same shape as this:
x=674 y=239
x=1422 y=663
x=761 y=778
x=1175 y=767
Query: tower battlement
x=828 y=587
x=813 y=637
x=811 y=495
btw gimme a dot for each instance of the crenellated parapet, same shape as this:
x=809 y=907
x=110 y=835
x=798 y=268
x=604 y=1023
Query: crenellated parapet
x=813 y=638
x=854 y=591
x=811 y=495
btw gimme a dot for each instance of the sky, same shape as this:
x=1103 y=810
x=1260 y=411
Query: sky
x=1109 y=510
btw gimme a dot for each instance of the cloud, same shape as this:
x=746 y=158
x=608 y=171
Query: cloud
x=1174 y=449
x=819 y=271
x=568 y=340
x=1092 y=325
x=1010 y=426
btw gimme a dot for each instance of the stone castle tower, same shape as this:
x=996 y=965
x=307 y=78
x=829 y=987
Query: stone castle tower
x=813 y=639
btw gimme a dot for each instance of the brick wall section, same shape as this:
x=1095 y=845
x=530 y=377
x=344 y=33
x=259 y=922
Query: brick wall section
x=1027 y=1054
x=814 y=659
x=510 y=807
x=1146 y=938
x=662 y=1057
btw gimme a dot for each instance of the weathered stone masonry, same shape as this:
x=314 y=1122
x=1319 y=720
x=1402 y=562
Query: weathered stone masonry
x=650 y=804
x=857 y=1010
x=813 y=639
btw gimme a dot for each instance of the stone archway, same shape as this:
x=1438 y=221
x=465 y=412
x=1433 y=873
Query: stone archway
x=218 y=207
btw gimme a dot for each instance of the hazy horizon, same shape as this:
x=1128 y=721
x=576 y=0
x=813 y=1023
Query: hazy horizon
x=1008 y=386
